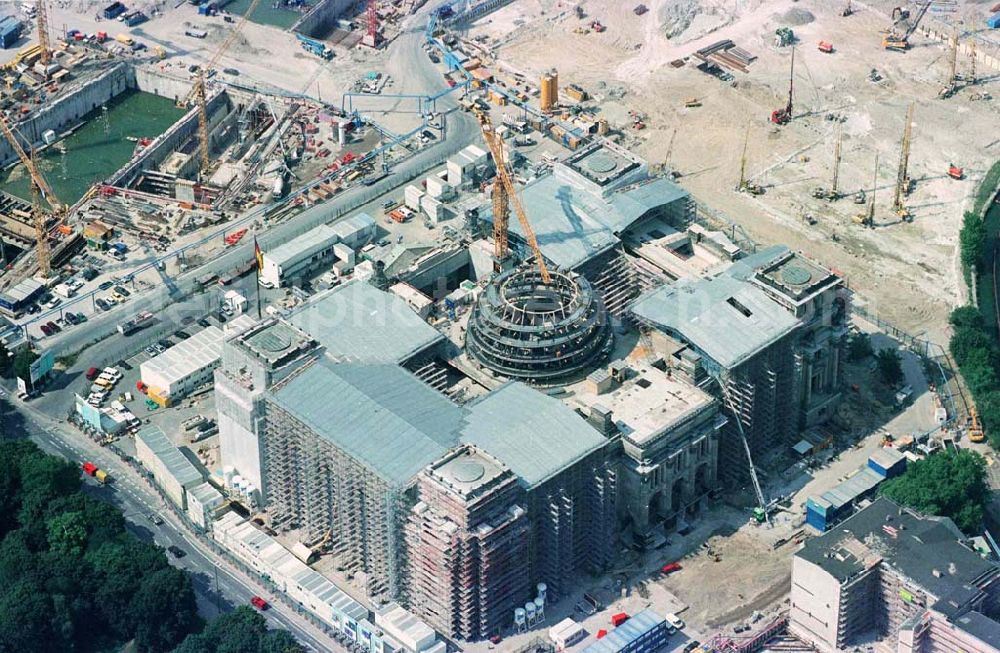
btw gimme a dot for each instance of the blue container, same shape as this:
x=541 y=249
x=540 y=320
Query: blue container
x=9 y=35
x=112 y=11
x=816 y=520
x=993 y=21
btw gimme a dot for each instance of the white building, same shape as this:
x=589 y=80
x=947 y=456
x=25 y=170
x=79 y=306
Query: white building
x=234 y=301
x=202 y=502
x=299 y=257
x=310 y=589
x=461 y=166
x=356 y=231
x=406 y=628
x=171 y=469
x=184 y=367
x=418 y=301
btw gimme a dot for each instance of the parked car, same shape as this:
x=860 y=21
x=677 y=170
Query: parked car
x=156 y=519
x=81 y=318
x=71 y=318
x=52 y=325
x=91 y=374
x=671 y=567
x=151 y=350
x=121 y=292
x=674 y=621
x=46 y=330
x=176 y=551
x=105 y=285
x=103 y=305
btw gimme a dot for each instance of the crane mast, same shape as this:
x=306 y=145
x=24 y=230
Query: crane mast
x=43 y=32
x=495 y=144
x=198 y=92
x=834 y=190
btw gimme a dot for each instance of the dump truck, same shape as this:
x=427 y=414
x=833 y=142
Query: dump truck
x=90 y=469
x=125 y=39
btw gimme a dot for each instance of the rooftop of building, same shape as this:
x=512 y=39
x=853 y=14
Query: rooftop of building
x=794 y=275
x=726 y=318
x=466 y=470
x=173 y=459
x=403 y=625
x=356 y=322
x=573 y=224
x=23 y=290
x=847 y=491
x=981 y=627
x=535 y=435
x=649 y=403
x=603 y=163
x=205 y=493
x=311 y=241
x=188 y=356
x=619 y=638
x=275 y=341
x=381 y=415
x=926 y=550
x=347 y=227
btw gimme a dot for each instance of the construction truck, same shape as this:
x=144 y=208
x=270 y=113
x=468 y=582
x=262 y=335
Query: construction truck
x=825 y=46
x=976 y=433
x=315 y=47
x=784 y=36
x=955 y=172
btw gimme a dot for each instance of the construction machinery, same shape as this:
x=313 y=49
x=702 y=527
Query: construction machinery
x=198 y=92
x=784 y=115
x=42 y=18
x=825 y=46
x=956 y=172
x=848 y=10
x=903 y=181
x=833 y=194
x=505 y=185
x=976 y=433
x=745 y=185
x=763 y=509
x=893 y=40
x=951 y=85
x=867 y=219
x=39 y=189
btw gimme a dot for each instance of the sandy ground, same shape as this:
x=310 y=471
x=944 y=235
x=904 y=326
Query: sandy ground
x=908 y=272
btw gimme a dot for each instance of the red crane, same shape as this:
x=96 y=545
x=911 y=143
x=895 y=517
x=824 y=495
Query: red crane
x=784 y=115
x=373 y=22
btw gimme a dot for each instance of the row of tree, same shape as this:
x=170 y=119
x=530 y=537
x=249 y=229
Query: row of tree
x=948 y=484
x=977 y=356
x=16 y=365
x=73 y=579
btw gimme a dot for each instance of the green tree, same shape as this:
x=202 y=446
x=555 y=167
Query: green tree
x=859 y=347
x=946 y=484
x=163 y=610
x=889 y=366
x=966 y=317
x=972 y=240
x=22 y=363
x=243 y=630
x=5 y=361
x=67 y=533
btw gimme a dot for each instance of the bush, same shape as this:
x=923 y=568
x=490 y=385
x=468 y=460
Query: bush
x=859 y=347
x=889 y=367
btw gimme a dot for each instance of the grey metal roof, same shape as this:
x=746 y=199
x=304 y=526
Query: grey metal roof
x=357 y=322
x=205 y=493
x=23 y=290
x=302 y=246
x=535 y=435
x=348 y=227
x=981 y=627
x=573 y=225
x=726 y=318
x=173 y=460
x=630 y=631
x=201 y=350
x=380 y=415
x=920 y=546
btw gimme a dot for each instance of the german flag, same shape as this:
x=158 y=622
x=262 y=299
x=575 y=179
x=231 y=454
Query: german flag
x=259 y=255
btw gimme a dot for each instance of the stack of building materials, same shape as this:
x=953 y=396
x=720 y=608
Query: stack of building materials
x=726 y=54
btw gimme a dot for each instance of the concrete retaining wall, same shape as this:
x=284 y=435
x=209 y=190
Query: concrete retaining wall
x=150 y=80
x=319 y=21
x=172 y=139
x=71 y=107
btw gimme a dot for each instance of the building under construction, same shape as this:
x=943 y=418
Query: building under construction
x=766 y=337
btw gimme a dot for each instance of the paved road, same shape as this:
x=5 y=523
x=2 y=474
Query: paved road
x=136 y=499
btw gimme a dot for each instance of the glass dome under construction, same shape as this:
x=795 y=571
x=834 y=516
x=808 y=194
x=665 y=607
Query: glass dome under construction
x=537 y=332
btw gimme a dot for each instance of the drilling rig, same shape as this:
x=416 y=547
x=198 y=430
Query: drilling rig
x=784 y=115
x=833 y=194
x=867 y=219
x=745 y=185
x=903 y=181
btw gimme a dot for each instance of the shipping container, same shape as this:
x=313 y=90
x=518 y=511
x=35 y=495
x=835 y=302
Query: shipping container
x=993 y=21
x=113 y=10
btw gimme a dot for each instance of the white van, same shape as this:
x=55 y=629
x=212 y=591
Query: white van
x=674 y=620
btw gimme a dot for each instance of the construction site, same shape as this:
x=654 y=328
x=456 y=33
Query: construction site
x=553 y=300
x=707 y=93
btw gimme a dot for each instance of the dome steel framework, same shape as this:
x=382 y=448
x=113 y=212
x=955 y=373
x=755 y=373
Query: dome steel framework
x=526 y=329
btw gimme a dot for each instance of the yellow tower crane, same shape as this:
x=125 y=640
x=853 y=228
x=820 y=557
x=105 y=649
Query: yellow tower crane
x=198 y=92
x=43 y=31
x=39 y=188
x=506 y=187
